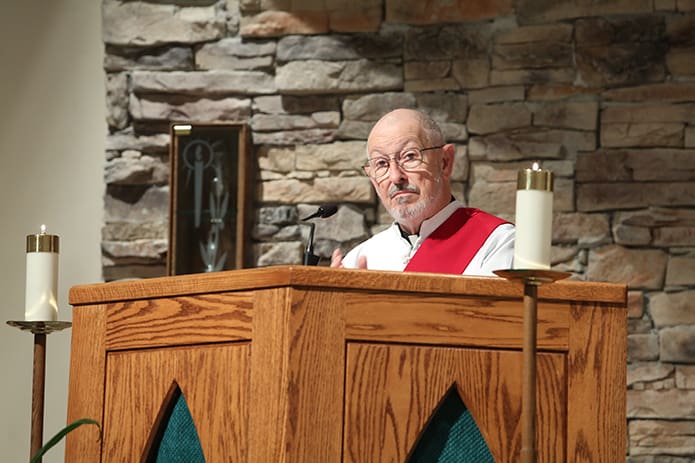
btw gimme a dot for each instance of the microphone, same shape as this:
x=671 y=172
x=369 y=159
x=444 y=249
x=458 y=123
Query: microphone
x=324 y=211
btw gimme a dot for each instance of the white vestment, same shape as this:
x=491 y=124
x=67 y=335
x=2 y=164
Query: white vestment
x=390 y=250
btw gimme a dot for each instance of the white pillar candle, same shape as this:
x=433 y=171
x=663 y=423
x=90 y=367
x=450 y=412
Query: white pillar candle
x=42 y=277
x=534 y=217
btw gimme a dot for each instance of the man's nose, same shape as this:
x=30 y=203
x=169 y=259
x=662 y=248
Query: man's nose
x=396 y=173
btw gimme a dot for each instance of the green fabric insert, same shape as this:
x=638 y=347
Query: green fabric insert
x=180 y=442
x=451 y=436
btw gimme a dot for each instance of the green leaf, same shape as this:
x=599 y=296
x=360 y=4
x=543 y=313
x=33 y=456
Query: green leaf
x=62 y=433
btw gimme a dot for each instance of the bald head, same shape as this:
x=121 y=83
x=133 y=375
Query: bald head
x=405 y=120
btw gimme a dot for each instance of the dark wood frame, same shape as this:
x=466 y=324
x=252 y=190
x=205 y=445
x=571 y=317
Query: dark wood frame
x=244 y=183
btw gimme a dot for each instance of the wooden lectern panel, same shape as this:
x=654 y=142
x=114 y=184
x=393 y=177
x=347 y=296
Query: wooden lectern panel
x=297 y=390
x=306 y=364
x=450 y=320
x=159 y=321
x=213 y=379
x=596 y=383
x=409 y=382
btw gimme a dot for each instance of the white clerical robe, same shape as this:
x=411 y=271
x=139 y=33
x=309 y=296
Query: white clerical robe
x=390 y=250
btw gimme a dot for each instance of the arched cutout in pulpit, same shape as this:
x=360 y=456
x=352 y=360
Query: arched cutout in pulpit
x=451 y=435
x=174 y=437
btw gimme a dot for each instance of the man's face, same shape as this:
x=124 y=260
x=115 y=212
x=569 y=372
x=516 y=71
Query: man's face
x=416 y=194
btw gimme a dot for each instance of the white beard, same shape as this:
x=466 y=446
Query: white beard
x=406 y=212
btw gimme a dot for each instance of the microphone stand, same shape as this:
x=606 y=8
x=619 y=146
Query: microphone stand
x=309 y=257
x=324 y=211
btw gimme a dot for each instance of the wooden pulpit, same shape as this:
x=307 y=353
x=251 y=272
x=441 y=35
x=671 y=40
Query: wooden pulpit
x=307 y=364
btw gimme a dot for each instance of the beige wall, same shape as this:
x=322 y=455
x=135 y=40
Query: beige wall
x=51 y=162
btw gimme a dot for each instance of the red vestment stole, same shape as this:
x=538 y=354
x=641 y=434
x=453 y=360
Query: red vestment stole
x=452 y=246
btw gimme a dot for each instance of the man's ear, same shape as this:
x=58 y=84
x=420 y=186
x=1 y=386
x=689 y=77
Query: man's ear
x=448 y=153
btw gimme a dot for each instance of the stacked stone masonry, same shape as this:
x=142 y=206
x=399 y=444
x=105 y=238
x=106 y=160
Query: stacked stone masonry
x=602 y=93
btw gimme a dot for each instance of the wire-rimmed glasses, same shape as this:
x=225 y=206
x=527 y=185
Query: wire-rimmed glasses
x=407 y=160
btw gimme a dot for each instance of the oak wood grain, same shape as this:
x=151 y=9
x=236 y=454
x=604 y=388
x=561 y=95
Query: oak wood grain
x=139 y=381
x=86 y=382
x=298 y=385
x=184 y=320
x=317 y=368
x=392 y=391
x=449 y=320
x=597 y=363
x=269 y=376
x=364 y=280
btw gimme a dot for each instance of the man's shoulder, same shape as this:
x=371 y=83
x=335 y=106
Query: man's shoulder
x=473 y=218
x=471 y=211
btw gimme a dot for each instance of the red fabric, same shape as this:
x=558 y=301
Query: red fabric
x=452 y=246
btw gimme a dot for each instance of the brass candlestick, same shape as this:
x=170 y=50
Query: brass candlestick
x=40 y=330
x=532 y=279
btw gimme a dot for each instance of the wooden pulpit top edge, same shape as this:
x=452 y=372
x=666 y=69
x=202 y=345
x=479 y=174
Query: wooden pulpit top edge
x=341 y=279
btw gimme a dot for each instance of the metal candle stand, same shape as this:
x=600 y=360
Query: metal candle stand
x=40 y=330
x=532 y=279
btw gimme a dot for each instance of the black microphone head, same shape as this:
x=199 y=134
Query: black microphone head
x=324 y=210
x=327 y=210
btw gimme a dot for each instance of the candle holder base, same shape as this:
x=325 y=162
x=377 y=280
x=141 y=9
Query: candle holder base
x=534 y=277
x=40 y=327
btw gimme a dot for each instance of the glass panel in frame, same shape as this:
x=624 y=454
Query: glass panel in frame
x=208 y=195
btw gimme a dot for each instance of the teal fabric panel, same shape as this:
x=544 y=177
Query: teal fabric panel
x=180 y=442
x=452 y=436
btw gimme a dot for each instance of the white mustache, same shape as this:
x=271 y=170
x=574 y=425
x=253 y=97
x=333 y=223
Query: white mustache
x=396 y=188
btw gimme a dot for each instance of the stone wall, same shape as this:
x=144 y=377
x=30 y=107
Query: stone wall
x=602 y=92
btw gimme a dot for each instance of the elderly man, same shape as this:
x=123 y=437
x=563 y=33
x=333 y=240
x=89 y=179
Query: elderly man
x=409 y=165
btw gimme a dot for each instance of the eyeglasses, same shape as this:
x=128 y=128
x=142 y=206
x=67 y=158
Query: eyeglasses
x=407 y=160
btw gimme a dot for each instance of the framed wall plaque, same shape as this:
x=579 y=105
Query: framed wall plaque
x=209 y=196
